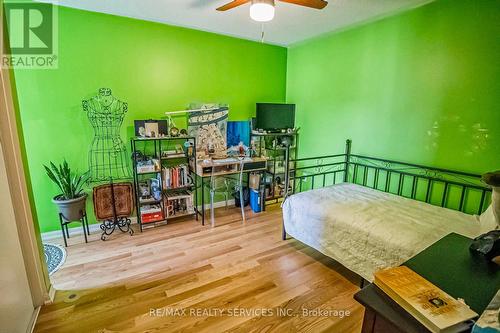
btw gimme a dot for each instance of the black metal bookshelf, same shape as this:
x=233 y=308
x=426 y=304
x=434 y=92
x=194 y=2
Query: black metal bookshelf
x=274 y=146
x=154 y=148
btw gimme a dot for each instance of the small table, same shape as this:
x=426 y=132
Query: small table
x=449 y=265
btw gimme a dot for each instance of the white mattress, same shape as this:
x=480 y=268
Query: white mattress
x=365 y=229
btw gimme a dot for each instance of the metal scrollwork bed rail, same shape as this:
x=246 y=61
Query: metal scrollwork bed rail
x=456 y=190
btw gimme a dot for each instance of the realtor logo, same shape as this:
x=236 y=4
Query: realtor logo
x=32 y=35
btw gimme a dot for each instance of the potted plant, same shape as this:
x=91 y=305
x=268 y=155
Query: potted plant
x=71 y=201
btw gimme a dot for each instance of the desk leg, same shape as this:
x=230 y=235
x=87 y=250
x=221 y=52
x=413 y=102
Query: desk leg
x=195 y=178
x=202 y=202
x=262 y=190
x=368 y=321
x=242 y=200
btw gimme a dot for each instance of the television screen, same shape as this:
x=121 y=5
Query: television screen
x=274 y=116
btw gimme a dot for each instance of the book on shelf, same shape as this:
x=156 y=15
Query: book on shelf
x=175 y=155
x=431 y=306
x=178 y=204
x=174 y=177
x=151 y=165
x=147 y=200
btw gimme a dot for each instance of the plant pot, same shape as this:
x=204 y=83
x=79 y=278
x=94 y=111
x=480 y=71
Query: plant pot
x=73 y=209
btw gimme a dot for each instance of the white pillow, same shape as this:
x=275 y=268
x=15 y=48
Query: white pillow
x=487 y=220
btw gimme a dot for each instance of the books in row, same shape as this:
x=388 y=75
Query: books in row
x=177 y=176
x=431 y=306
x=174 y=205
x=178 y=204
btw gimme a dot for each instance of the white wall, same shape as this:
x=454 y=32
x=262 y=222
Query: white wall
x=16 y=306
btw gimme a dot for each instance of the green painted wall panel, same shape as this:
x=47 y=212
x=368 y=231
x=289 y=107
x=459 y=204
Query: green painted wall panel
x=154 y=67
x=421 y=87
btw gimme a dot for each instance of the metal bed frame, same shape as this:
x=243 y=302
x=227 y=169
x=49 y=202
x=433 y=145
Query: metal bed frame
x=452 y=189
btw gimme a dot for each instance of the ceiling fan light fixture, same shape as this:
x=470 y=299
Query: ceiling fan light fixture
x=262 y=10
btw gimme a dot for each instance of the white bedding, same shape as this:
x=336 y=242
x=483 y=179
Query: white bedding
x=365 y=229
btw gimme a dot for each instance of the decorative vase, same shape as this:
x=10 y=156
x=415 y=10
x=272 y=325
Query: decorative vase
x=72 y=209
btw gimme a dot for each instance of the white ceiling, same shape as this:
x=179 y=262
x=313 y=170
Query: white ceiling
x=291 y=24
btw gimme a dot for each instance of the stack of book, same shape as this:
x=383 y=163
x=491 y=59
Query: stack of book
x=431 y=306
x=178 y=204
x=175 y=177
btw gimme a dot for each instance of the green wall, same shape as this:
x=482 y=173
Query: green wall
x=154 y=67
x=419 y=87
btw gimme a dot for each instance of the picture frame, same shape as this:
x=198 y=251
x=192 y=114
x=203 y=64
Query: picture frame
x=145 y=127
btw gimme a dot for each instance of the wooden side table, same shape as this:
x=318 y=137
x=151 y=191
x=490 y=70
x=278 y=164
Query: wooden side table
x=449 y=265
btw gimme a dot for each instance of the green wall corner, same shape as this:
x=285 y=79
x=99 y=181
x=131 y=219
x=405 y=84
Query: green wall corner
x=433 y=72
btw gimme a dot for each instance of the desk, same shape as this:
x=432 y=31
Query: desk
x=449 y=265
x=227 y=167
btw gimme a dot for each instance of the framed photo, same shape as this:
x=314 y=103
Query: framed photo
x=150 y=128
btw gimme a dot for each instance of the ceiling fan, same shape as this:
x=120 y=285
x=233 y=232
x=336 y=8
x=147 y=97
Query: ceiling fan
x=263 y=10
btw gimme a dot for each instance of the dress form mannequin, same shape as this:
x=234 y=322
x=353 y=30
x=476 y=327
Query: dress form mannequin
x=107 y=156
x=108 y=160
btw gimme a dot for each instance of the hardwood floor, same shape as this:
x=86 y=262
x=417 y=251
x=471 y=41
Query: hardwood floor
x=144 y=283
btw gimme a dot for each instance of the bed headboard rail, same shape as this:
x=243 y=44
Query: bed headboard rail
x=313 y=172
x=452 y=189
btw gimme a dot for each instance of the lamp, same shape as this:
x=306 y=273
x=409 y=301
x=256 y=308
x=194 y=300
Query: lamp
x=262 y=10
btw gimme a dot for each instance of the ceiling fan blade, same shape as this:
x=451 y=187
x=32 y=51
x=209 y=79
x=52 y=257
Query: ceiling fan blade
x=317 y=4
x=232 y=4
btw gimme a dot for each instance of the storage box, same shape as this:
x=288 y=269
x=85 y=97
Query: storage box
x=151 y=213
x=151 y=217
x=255 y=201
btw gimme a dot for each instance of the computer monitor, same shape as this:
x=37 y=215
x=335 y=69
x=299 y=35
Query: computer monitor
x=275 y=116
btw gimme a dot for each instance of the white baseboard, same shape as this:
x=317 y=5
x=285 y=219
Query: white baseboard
x=52 y=295
x=47 y=236
x=219 y=204
x=33 y=319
